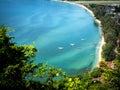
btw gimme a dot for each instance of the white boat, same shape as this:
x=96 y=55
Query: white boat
x=60 y=48
x=72 y=44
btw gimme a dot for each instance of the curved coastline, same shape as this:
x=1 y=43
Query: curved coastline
x=102 y=42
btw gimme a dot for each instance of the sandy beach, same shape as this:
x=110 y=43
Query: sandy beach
x=102 y=42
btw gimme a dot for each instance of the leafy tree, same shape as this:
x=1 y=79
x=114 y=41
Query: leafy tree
x=15 y=62
x=103 y=64
x=98 y=86
x=108 y=52
x=97 y=72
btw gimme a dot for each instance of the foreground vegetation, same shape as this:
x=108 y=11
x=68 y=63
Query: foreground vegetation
x=18 y=70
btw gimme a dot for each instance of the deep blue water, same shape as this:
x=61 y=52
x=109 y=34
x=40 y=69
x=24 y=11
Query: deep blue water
x=64 y=34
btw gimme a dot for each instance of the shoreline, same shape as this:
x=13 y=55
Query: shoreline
x=102 y=42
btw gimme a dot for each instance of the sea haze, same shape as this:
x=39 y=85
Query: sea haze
x=64 y=34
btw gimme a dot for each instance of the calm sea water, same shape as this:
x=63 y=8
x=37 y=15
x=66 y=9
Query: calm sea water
x=64 y=34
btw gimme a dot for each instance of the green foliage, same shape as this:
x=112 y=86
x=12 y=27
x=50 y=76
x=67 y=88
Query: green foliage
x=103 y=64
x=99 y=86
x=108 y=52
x=14 y=64
x=75 y=83
x=97 y=72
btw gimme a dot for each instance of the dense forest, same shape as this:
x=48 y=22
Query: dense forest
x=18 y=70
x=109 y=17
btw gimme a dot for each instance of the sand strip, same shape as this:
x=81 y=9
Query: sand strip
x=100 y=51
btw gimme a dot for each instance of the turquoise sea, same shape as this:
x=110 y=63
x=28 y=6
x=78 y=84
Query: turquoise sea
x=64 y=34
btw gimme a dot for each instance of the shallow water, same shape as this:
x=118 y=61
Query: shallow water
x=64 y=34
